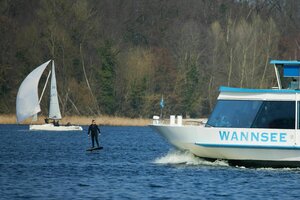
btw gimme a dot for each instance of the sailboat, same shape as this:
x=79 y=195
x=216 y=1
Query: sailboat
x=28 y=101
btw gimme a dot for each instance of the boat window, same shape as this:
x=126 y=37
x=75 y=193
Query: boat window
x=253 y=114
x=298 y=114
x=276 y=114
x=234 y=113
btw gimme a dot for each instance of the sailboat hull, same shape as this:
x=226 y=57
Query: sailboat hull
x=51 y=127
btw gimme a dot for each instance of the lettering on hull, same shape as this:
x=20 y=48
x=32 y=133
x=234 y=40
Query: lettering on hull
x=250 y=136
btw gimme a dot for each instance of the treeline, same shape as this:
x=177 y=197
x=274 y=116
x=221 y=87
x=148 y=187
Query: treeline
x=117 y=57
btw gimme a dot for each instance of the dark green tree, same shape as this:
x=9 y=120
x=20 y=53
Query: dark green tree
x=107 y=75
x=190 y=90
x=136 y=98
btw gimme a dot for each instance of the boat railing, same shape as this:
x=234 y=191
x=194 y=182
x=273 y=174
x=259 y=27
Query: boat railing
x=195 y=122
x=179 y=121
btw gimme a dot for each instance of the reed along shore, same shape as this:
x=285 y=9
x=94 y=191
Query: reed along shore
x=83 y=120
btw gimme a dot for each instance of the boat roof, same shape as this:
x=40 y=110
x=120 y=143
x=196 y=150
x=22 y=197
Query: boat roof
x=291 y=68
x=249 y=90
x=231 y=93
x=285 y=62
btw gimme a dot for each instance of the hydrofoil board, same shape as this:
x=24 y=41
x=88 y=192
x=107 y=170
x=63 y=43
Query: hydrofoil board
x=95 y=148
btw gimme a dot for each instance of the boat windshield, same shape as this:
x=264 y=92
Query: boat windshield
x=253 y=114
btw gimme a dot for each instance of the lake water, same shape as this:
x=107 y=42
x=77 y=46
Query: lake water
x=136 y=163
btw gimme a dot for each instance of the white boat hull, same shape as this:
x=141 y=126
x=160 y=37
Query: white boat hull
x=257 y=147
x=51 y=127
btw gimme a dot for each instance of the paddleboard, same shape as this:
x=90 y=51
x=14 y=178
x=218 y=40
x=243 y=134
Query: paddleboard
x=93 y=149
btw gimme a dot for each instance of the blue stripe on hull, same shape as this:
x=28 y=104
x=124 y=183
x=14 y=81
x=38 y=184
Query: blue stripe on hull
x=239 y=146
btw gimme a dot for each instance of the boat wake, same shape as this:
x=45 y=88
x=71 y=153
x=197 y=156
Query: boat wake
x=176 y=157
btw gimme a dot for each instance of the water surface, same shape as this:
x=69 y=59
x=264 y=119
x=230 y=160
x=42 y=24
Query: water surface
x=136 y=163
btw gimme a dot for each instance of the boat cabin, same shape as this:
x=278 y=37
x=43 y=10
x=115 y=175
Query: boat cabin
x=276 y=108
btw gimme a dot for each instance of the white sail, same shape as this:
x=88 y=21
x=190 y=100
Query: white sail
x=27 y=103
x=54 y=112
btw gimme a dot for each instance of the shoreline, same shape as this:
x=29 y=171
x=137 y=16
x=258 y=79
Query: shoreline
x=100 y=120
x=83 y=120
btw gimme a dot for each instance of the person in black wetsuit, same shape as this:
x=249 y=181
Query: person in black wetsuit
x=93 y=129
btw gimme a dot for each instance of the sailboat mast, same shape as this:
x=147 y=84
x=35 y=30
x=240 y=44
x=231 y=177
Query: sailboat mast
x=45 y=86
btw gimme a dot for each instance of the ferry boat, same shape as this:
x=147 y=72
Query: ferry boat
x=247 y=127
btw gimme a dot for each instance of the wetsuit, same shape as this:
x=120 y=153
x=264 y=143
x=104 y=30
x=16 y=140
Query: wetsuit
x=93 y=129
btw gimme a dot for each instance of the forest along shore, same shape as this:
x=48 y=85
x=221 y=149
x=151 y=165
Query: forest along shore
x=83 y=120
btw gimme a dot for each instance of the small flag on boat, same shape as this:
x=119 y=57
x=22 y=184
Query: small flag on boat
x=162 y=103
